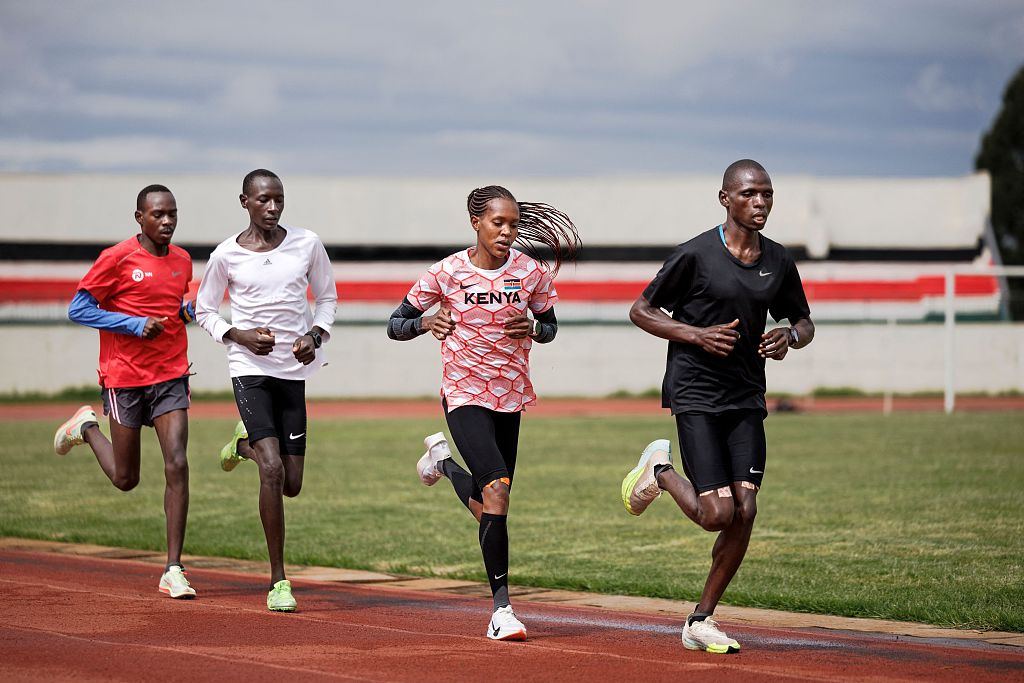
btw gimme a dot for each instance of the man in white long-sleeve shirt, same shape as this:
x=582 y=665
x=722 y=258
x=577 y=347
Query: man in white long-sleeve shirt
x=274 y=343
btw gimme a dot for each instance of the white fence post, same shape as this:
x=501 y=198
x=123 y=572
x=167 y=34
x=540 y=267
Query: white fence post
x=950 y=393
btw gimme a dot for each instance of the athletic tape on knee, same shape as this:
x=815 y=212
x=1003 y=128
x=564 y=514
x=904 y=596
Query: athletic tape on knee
x=504 y=480
x=723 y=492
x=748 y=485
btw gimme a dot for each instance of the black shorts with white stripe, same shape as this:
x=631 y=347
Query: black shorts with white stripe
x=134 y=407
x=273 y=407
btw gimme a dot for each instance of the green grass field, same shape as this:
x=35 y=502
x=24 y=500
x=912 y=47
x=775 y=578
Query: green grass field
x=912 y=517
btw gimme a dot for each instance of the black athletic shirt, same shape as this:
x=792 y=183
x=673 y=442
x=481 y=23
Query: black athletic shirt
x=703 y=284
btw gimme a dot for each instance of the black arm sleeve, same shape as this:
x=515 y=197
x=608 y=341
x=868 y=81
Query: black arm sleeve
x=405 y=322
x=548 y=326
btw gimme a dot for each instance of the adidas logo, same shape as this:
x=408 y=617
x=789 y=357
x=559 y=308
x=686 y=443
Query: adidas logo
x=267 y=263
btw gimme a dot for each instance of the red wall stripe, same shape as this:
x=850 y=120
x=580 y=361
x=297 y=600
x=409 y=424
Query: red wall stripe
x=61 y=291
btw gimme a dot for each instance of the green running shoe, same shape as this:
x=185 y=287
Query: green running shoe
x=280 y=599
x=640 y=487
x=229 y=455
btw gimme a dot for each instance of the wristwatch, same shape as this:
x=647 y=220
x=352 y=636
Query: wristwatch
x=317 y=339
x=794 y=336
x=534 y=327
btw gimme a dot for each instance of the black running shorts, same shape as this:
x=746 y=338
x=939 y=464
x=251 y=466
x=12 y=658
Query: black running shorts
x=720 y=448
x=133 y=407
x=487 y=440
x=273 y=407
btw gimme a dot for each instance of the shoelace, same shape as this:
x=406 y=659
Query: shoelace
x=713 y=627
x=180 y=575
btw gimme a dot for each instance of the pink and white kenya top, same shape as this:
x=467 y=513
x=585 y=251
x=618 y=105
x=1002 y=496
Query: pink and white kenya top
x=481 y=366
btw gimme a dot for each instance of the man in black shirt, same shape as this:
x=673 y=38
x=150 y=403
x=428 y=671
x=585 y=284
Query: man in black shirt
x=719 y=288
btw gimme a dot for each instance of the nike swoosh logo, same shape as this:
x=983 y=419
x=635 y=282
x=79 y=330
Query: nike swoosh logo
x=498 y=577
x=753 y=471
x=763 y=274
x=462 y=286
x=494 y=631
x=295 y=436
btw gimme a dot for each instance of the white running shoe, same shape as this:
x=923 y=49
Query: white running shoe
x=174 y=583
x=69 y=434
x=505 y=626
x=640 y=487
x=705 y=635
x=437 y=450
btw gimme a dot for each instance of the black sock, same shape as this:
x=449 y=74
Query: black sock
x=696 y=616
x=86 y=425
x=494 y=544
x=167 y=568
x=658 y=469
x=462 y=482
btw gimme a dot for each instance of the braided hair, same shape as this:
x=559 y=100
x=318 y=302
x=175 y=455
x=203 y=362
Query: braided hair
x=542 y=227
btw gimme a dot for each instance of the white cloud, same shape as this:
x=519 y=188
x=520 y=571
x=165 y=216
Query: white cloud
x=934 y=91
x=123 y=153
x=319 y=84
x=248 y=94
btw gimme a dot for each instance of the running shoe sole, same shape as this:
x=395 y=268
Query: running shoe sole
x=518 y=636
x=180 y=596
x=713 y=648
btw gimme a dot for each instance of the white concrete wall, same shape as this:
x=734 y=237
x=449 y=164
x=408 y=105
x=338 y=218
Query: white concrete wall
x=815 y=212
x=583 y=361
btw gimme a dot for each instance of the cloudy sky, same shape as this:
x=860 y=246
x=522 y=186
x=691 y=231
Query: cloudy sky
x=546 y=87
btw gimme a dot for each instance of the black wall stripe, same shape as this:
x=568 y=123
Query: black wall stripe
x=428 y=253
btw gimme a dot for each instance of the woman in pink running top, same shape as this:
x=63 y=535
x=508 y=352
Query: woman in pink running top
x=486 y=294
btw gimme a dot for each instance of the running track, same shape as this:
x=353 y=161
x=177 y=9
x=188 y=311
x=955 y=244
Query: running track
x=94 y=619
x=546 y=407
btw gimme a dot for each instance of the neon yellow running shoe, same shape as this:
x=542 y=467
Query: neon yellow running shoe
x=640 y=487
x=705 y=635
x=69 y=434
x=229 y=455
x=280 y=599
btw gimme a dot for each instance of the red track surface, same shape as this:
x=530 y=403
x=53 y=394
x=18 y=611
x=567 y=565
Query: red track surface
x=90 y=619
x=367 y=410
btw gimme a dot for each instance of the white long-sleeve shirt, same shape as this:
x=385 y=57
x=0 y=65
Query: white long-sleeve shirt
x=268 y=289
